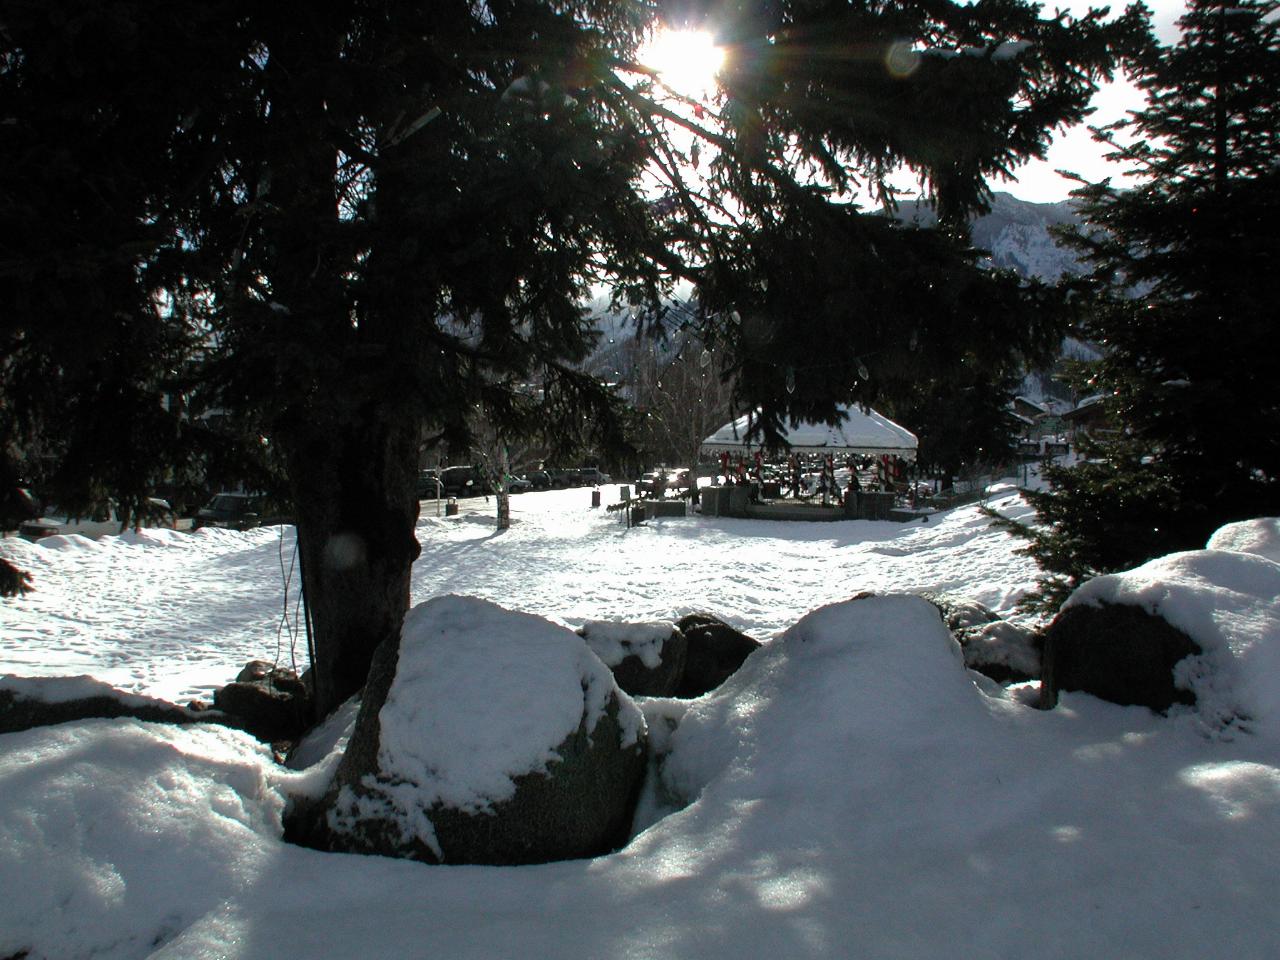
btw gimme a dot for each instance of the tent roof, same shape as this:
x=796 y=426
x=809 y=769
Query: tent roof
x=866 y=433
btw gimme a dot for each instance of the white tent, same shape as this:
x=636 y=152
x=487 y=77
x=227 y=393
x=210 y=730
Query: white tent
x=866 y=433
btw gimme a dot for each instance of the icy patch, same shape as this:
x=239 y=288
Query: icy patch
x=1229 y=604
x=328 y=738
x=614 y=642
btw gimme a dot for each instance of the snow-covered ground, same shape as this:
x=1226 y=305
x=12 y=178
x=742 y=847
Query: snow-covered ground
x=853 y=791
x=175 y=615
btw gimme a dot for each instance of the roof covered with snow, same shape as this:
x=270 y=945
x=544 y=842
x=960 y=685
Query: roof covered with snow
x=866 y=432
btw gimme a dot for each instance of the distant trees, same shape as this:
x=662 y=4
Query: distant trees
x=677 y=394
x=1185 y=291
x=349 y=229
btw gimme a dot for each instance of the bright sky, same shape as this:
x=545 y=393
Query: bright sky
x=1075 y=150
x=687 y=61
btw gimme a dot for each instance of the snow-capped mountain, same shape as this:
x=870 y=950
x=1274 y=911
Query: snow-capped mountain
x=1016 y=234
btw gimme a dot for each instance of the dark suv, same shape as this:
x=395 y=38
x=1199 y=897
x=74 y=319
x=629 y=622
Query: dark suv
x=465 y=482
x=562 y=477
x=236 y=511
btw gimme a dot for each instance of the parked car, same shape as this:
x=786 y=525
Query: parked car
x=592 y=477
x=562 y=477
x=429 y=485
x=518 y=484
x=539 y=479
x=235 y=511
x=103 y=520
x=466 y=482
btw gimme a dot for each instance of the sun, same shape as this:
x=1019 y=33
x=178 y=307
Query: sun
x=687 y=61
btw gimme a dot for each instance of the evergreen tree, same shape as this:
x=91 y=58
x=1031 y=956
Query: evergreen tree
x=420 y=213
x=1186 y=282
x=358 y=225
x=94 y=358
x=821 y=301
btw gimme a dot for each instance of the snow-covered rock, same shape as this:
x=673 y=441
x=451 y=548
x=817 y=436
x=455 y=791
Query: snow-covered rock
x=89 y=810
x=647 y=659
x=1227 y=607
x=715 y=652
x=485 y=736
x=1117 y=652
x=1003 y=650
x=845 y=679
x=27 y=702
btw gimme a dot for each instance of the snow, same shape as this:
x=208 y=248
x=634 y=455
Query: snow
x=852 y=790
x=1260 y=536
x=614 y=642
x=1006 y=50
x=859 y=431
x=1010 y=49
x=483 y=695
x=66 y=689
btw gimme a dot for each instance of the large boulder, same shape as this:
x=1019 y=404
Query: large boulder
x=647 y=659
x=1199 y=627
x=1116 y=652
x=484 y=736
x=715 y=652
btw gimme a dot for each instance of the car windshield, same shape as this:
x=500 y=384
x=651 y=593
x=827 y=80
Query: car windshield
x=227 y=502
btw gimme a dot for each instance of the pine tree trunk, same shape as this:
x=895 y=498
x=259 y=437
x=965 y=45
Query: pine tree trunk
x=346 y=429
x=356 y=511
